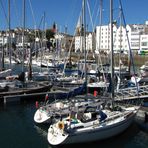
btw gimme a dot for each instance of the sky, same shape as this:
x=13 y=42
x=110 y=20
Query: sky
x=65 y=13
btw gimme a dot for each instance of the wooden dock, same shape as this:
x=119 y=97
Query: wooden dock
x=33 y=97
x=54 y=93
x=122 y=95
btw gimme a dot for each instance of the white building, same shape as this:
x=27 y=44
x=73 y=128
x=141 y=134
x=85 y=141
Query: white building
x=89 y=38
x=134 y=32
x=103 y=37
x=123 y=38
x=79 y=44
x=144 y=43
x=4 y=38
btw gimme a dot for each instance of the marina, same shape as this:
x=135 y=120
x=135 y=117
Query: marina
x=83 y=90
x=29 y=133
x=18 y=126
x=129 y=94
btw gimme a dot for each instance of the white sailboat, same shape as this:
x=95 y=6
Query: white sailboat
x=78 y=131
x=95 y=123
x=49 y=112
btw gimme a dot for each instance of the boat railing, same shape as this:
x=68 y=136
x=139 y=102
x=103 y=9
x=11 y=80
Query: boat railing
x=132 y=92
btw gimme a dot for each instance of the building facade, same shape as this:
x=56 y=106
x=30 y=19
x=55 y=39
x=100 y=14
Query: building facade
x=124 y=38
x=79 y=42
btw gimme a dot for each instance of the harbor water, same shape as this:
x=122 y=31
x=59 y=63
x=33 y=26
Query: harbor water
x=18 y=130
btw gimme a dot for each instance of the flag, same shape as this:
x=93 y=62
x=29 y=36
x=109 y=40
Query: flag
x=37 y=104
x=95 y=93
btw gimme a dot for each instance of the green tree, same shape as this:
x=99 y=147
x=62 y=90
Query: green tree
x=49 y=34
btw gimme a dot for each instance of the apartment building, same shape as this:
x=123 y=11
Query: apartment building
x=124 y=38
x=79 y=42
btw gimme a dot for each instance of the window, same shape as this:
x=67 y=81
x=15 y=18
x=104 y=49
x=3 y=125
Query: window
x=144 y=43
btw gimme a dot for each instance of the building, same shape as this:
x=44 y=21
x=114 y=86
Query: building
x=144 y=42
x=64 y=42
x=5 y=37
x=134 y=32
x=79 y=42
x=121 y=40
x=124 y=38
x=103 y=37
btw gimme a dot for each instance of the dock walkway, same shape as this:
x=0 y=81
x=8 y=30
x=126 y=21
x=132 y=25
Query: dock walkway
x=132 y=93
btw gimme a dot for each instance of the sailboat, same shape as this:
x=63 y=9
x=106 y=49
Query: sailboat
x=48 y=113
x=92 y=124
x=5 y=72
x=13 y=85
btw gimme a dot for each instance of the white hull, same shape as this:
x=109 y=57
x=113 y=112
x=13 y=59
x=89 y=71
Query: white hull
x=45 y=113
x=100 y=133
x=94 y=132
x=41 y=117
x=98 y=85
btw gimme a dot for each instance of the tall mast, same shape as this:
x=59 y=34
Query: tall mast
x=23 y=34
x=100 y=19
x=130 y=59
x=9 y=38
x=3 y=67
x=120 y=44
x=84 y=38
x=112 y=53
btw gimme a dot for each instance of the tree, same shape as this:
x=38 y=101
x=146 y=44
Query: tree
x=49 y=34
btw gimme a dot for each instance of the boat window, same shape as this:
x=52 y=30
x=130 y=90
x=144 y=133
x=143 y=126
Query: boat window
x=90 y=109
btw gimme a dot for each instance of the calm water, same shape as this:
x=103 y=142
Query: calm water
x=18 y=130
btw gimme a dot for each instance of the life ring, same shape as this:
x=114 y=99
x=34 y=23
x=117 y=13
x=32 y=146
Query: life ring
x=61 y=125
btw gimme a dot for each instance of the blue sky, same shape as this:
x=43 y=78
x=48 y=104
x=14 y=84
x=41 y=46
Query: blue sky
x=66 y=13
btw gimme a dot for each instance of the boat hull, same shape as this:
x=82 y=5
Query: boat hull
x=97 y=133
x=101 y=133
x=42 y=117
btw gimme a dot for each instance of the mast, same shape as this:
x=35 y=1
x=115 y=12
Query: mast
x=130 y=59
x=30 y=64
x=9 y=38
x=23 y=34
x=100 y=19
x=42 y=40
x=100 y=24
x=112 y=53
x=120 y=44
x=3 y=66
x=84 y=38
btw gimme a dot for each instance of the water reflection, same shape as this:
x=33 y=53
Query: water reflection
x=41 y=130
